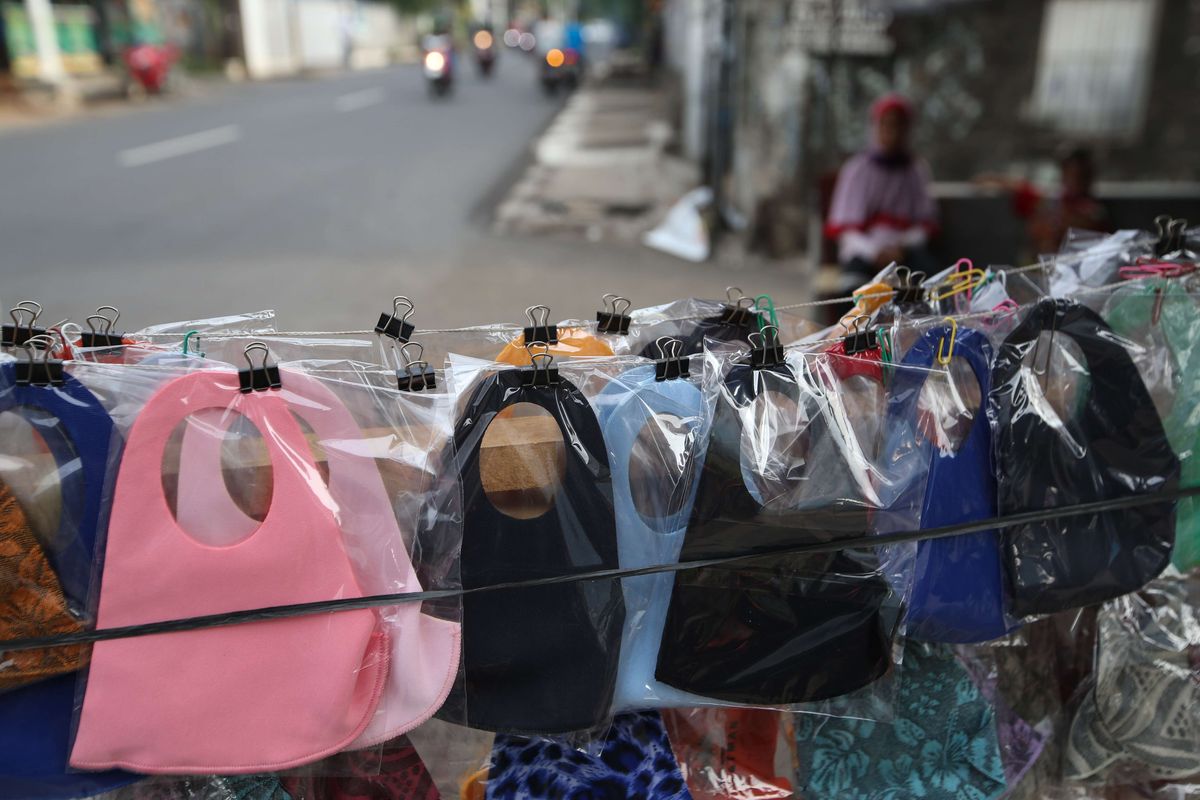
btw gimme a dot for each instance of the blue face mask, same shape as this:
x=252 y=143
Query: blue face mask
x=35 y=721
x=958 y=589
x=626 y=407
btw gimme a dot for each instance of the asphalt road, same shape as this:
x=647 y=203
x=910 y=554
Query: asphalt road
x=319 y=198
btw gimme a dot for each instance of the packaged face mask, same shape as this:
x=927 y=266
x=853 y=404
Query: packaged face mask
x=540 y=659
x=1113 y=446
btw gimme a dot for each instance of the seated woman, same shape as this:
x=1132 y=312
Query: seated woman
x=882 y=211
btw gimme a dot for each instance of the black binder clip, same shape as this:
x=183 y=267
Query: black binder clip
x=910 y=292
x=104 y=335
x=261 y=378
x=20 y=332
x=859 y=336
x=765 y=349
x=394 y=325
x=741 y=310
x=613 y=318
x=540 y=329
x=541 y=370
x=44 y=371
x=416 y=375
x=672 y=363
x=1171 y=235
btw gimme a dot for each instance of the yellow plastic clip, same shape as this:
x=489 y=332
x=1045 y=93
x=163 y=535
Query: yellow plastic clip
x=945 y=360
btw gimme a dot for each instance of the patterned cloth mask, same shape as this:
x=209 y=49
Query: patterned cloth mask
x=1142 y=714
x=942 y=744
x=636 y=761
x=31 y=603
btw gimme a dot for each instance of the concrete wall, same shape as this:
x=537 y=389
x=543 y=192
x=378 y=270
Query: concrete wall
x=284 y=37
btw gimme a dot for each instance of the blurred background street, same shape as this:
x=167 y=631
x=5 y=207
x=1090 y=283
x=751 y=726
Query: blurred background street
x=184 y=158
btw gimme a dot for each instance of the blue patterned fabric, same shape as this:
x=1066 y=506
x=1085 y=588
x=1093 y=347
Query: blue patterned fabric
x=635 y=761
x=942 y=743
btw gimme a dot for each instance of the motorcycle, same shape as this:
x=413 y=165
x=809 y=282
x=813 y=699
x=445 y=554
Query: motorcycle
x=560 y=68
x=485 y=51
x=148 y=67
x=439 y=67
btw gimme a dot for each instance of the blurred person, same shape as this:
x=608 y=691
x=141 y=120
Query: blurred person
x=1074 y=205
x=882 y=211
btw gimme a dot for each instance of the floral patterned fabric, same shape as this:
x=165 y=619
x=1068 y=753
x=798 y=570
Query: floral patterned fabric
x=635 y=761
x=31 y=603
x=941 y=745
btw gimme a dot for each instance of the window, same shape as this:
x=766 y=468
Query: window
x=1094 y=65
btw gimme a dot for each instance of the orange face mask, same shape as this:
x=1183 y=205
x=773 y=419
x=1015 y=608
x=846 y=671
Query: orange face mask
x=31 y=603
x=571 y=342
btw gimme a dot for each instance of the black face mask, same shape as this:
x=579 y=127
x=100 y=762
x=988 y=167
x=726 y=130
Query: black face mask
x=781 y=629
x=1113 y=447
x=542 y=659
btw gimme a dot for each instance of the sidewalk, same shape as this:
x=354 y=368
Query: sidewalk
x=601 y=171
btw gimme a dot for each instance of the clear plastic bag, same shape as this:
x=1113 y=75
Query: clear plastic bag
x=310 y=684
x=1138 y=719
x=1113 y=446
x=784 y=469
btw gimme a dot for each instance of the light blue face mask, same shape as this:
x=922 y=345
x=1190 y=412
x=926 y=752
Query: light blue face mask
x=625 y=408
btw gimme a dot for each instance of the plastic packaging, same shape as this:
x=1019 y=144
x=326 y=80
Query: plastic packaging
x=656 y=431
x=308 y=685
x=731 y=753
x=633 y=758
x=538 y=659
x=70 y=451
x=945 y=740
x=1158 y=317
x=1138 y=719
x=781 y=471
x=407 y=430
x=1114 y=446
x=958 y=583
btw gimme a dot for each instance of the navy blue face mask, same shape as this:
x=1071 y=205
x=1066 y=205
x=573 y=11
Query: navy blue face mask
x=958 y=588
x=786 y=628
x=1113 y=447
x=541 y=659
x=35 y=721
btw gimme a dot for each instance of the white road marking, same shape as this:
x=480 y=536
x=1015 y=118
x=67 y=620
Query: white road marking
x=363 y=98
x=179 y=146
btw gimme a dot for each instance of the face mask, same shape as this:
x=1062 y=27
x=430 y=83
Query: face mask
x=1142 y=712
x=541 y=659
x=627 y=407
x=424 y=654
x=246 y=698
x=635 y=761
x=1131 y=310
x=36 y=766
x=791 y=628
x=1114 y=446
x=958 y=590
x=942 y=745
x=34 y=604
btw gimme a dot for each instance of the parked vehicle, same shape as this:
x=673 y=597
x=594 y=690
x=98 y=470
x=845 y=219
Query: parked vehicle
x=148 y=67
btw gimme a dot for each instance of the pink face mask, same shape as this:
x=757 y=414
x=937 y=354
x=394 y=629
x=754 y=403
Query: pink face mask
x=248 y=698
x=424 y=650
